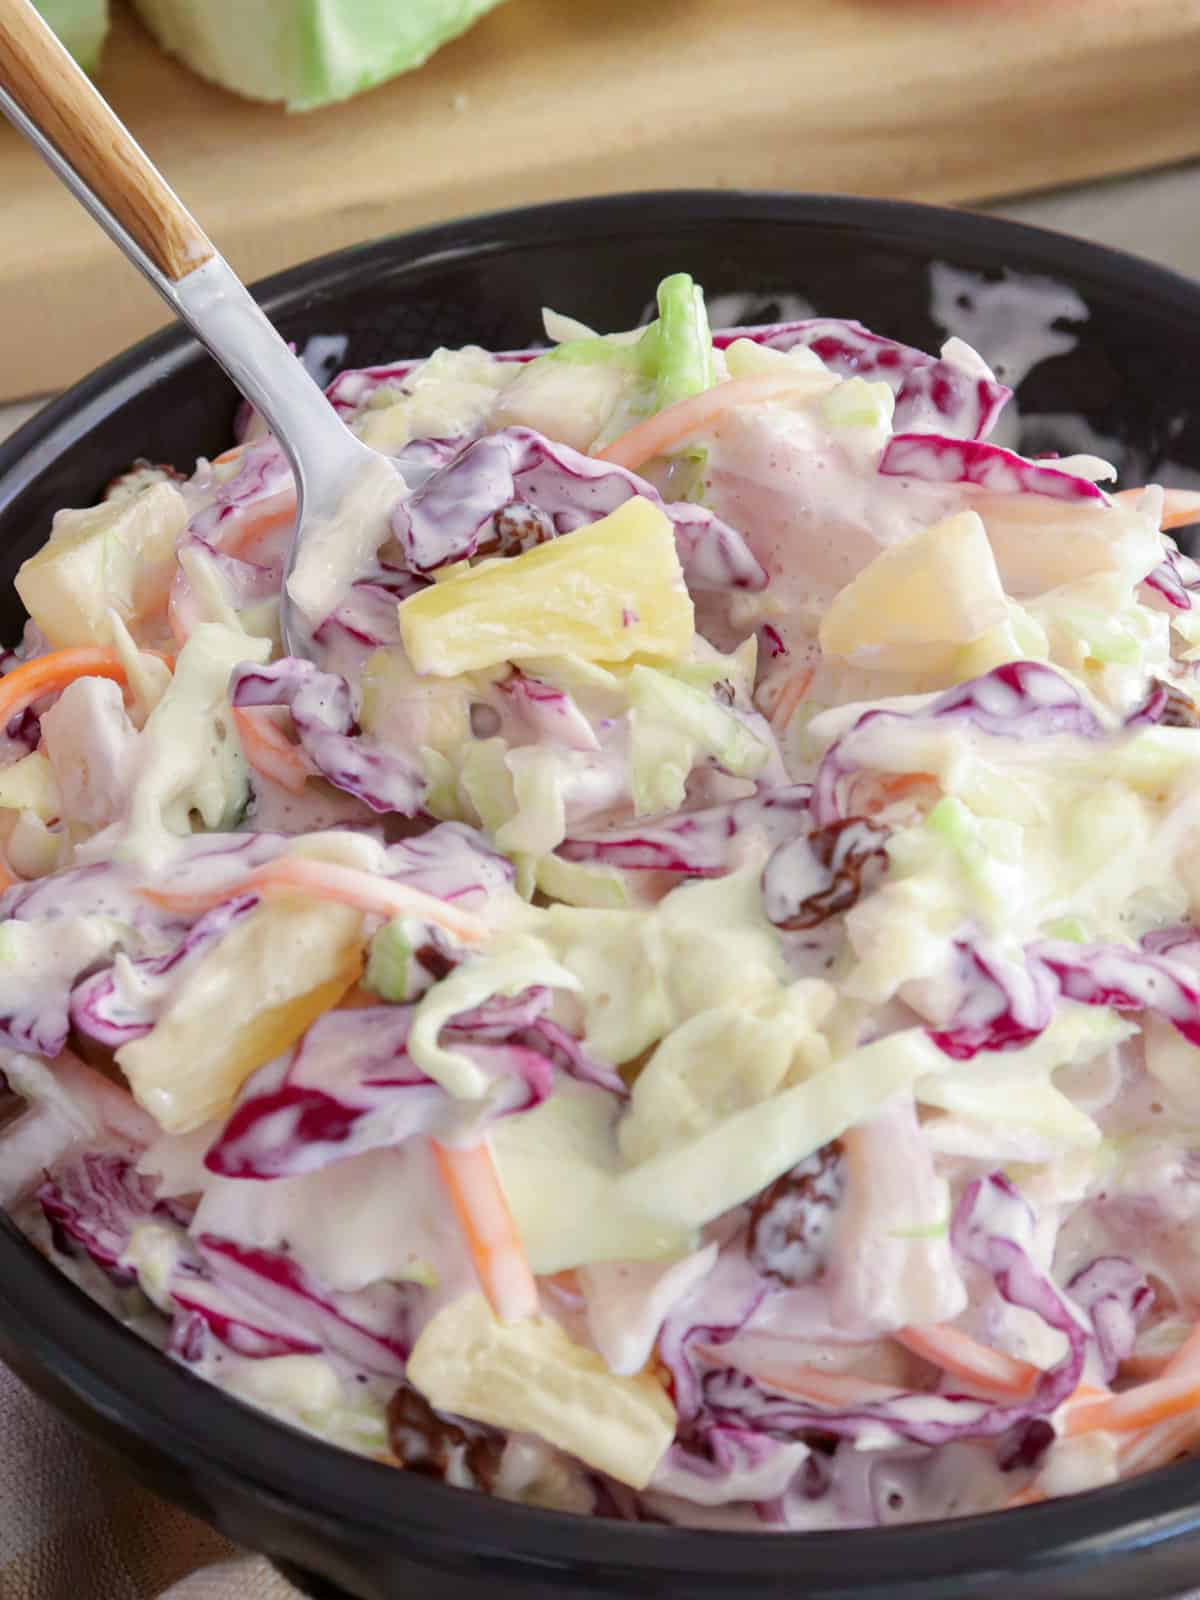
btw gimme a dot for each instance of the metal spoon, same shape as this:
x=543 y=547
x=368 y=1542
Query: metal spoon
x=344 y=490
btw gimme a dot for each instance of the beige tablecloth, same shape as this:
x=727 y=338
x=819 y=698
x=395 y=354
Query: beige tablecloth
x=74 y=1527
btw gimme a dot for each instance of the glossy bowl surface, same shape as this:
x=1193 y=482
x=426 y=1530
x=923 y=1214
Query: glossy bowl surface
x=1123 y=380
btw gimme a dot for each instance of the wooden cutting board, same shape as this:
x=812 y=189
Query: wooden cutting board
x=947 y=100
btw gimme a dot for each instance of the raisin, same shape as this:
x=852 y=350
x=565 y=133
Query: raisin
x=515 y=529
x=138 y=474
x=810 y=879
x=425 y=1441
x=1025 y=1445
x=791 y=1223
x=436 y=961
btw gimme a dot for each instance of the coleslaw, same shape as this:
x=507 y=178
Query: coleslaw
x=688 y=1008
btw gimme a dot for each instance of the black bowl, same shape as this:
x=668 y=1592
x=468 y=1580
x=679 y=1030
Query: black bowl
x=350 y=1525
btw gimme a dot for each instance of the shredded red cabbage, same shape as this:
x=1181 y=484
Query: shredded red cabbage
x=93 y=1203
x=1019 y=700
x=1005 y=1004
x=930 y=391
x=712 y=1313
x=547 y=713
x=1127 y=980
x=322 y=712
x=368 y=615
x=699 y=843
x=260 y=1303
x=1002 y=1004
x=937 y=458
x=1176 y=578
x=125 y=1000
x=717 y=1465
x=522 y=1023
x=1116 y=1295
x=993 y=1228
x=263 y=472
x=447 y=518
x=452 y=862
x=351 y=1087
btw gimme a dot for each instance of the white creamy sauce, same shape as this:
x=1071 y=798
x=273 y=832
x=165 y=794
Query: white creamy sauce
x=1010 y=321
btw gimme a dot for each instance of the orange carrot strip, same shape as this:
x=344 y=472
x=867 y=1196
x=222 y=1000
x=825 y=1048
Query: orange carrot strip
x=658 y=434
x=491 y=1236
x=46 y=674
x=956 y=1352
x=1030 y=1496
x=567 y=1281
x=252 y=525
x=1181 y=507
x=1140 y=1407
x=792 y=693
x=1186 y=1359
x=269 y=750
x=1145 y=1366
x=327 y=880
x=1159 y=1446
x=7 y=876
x=873 y=792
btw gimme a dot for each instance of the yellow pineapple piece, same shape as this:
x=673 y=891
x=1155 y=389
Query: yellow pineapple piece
x=402 y=708
x=244 y=1003
x=531 y=1377
x=919 y=601
x=605 y=593
x=29 y=785
x=120 y=554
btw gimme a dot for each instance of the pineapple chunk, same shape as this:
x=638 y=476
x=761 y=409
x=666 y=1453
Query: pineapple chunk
x=605 y=593
x=245 y=1003
x=120 y=554
x=28 y=785
x=532 y=1378
x=400 y=707
x=918 y=602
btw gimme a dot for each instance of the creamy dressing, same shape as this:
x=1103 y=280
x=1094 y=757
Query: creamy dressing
x=782 y=1036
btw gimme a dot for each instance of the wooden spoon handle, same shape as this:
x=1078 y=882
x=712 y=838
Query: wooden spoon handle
x=59 y=98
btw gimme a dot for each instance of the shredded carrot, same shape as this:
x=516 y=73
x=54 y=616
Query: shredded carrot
x=50 y=673
x=873 y=792
x=327 y=880
x=956 y=1352
x=1140 y=1407
x=491 y=1236
x=1145 y=1366
x=7 y=876
x=658 y=434
x=269 y=750
x=566 y=1282
x=257 y=521
x=1030 y=1496
x=1159 y=1446
x=1181 y=507
x=790 y=696
x=1187 y=1358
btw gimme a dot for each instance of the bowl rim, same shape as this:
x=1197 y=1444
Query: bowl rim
x=112 y=1374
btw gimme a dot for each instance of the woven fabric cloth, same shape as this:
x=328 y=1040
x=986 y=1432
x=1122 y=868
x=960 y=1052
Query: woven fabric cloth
x=74 y=1527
